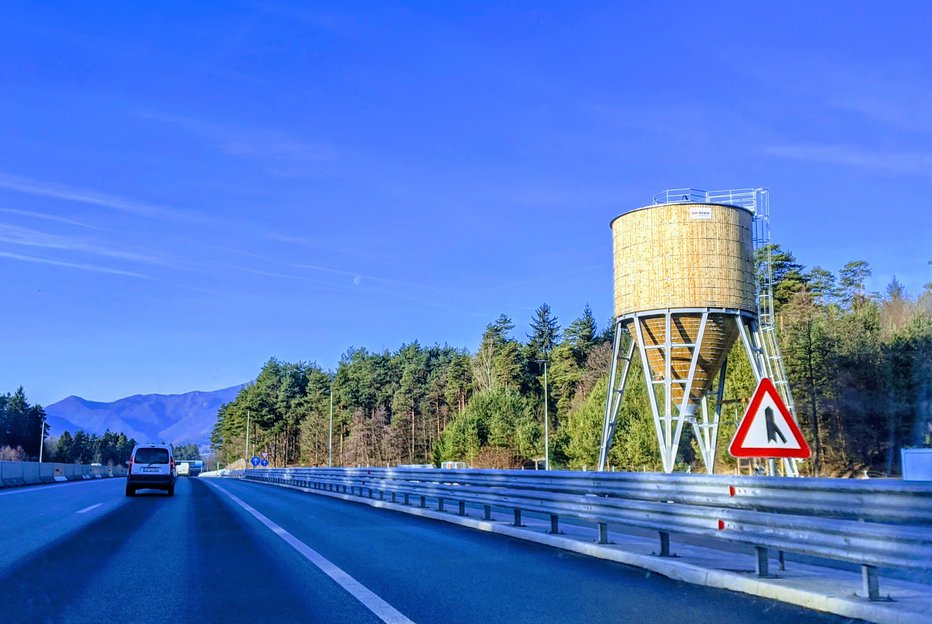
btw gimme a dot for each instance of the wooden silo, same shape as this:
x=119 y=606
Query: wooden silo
x=685 y=288
x=692 y=257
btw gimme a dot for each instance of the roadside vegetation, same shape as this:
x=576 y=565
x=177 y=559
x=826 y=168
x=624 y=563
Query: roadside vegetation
x=859 y=362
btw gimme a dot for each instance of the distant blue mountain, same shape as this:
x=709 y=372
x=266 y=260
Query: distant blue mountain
x=175 y=418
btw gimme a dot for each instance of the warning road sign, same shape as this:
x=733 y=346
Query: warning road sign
x=767 y=428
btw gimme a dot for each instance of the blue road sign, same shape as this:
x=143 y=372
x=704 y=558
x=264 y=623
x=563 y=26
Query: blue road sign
x=265 y=463
x=255 y=461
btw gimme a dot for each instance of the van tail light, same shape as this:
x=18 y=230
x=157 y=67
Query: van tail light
x=172 y=464
x=130 y=469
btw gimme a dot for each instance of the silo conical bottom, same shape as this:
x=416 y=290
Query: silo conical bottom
x=720 y=334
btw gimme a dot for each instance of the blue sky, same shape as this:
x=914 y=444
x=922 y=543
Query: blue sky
x=187 y=191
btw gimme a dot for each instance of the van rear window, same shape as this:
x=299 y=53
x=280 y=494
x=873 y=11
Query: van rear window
x=151 y=456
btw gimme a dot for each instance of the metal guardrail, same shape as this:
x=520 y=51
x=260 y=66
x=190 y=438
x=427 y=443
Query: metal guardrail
x=874 y=524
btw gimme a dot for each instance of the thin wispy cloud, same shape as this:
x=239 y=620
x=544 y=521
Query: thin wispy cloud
x=83 y=266
x=289 y=276
x=303 y=241
x=26 y=237
x=250 y=142
x=856 y=156
x=47 y=217
x=92 y=197
x=359 y=278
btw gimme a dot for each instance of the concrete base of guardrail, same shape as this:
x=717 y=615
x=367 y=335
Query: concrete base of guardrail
x=808 y=586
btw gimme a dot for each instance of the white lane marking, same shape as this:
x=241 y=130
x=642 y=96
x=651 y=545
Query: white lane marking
x=51 y=486
x=371 y=601
x=91 y=508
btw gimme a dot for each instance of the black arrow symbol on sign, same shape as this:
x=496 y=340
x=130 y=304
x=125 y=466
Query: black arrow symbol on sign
x=772 y=430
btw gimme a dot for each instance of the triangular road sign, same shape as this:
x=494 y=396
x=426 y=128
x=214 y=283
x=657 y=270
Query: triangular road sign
x=767 y=428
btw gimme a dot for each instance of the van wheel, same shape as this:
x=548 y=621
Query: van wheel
x=171 y=490
x=130 y=491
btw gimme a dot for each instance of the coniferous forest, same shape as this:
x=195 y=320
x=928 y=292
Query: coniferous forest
x=21 y=428
x=859 y=363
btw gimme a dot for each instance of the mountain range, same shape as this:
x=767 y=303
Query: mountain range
x=175 y=418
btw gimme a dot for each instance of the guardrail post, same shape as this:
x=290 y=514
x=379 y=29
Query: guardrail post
x=517 y=521
x=462 y=511
x=487 y=512
x=763 y=564
x=782 y=560
x=407 y=498
x=554 y=524
x=603 y=533
x=871 y=582
x=664 y=544
x=423 y=501
x=440 y=504
x=394 y=497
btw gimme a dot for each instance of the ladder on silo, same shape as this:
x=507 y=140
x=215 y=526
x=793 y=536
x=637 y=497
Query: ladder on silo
x=758 y=201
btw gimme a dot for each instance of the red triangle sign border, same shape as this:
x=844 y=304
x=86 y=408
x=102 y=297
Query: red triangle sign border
x=737 y=448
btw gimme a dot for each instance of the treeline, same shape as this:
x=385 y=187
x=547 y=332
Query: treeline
x=88 y=448
x=859 y=363
x=417 y=404
x=21 y=429
x=20 y=426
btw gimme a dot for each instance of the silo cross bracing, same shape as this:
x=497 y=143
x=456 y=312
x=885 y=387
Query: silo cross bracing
x=684 y=290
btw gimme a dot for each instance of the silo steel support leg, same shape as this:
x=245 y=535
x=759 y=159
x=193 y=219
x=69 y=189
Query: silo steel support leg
x=684 y=402
x=615 y=394
x=754 y=353
x=651 y=395
x=707 y=432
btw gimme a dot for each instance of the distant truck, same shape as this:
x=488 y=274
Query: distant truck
x=190 y=467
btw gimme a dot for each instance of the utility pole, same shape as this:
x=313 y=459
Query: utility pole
x=330 y=442
x=246 y=461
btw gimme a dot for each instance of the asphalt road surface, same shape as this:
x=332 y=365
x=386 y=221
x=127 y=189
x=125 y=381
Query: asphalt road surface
x=229 y=551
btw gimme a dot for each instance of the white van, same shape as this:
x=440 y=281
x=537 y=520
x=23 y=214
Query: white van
x=151 y=466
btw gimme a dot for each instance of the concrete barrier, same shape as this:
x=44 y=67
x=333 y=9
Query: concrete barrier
x=11 y=474
x=31 y=473
x=15 y=474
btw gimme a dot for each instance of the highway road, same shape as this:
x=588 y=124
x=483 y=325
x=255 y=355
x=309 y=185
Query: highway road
x=226 y=550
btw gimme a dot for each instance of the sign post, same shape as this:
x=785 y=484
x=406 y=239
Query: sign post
x=767 y=429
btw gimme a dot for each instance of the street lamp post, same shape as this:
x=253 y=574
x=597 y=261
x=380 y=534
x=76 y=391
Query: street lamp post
x=246 y=465
x=330 y=440
x=41 y=437
x=546 y=421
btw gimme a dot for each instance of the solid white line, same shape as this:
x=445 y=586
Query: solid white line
x=92 y=507
x=371 y=601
